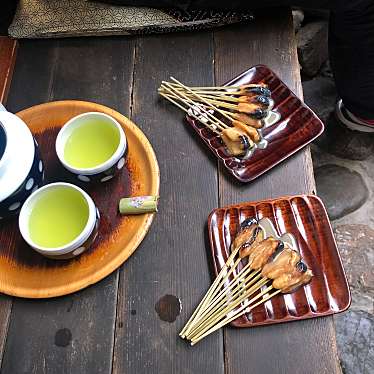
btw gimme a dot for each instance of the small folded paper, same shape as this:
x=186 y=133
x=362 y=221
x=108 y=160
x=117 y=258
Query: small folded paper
x=138 y=205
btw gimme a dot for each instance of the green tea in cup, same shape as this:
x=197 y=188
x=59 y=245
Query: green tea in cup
x=59 y=220
x=91 y=143
x=93 y=146
x=58 y=217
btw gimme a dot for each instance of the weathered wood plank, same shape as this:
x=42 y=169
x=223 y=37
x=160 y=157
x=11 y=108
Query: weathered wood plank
x=33 y=74
x=172 y=259
x=5 y=311
x=18 y=96
x=8 y=52
x=72 y=334
x=302 y=347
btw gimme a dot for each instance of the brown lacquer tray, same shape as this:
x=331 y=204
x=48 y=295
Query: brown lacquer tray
x=297 y=127
x=24 y=272
x=305 y=217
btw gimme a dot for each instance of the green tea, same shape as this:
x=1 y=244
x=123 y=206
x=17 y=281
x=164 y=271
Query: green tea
x=91 y=144
x=58 y=217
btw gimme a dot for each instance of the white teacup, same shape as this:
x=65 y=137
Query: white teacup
x=93 y=146
x=59 y=220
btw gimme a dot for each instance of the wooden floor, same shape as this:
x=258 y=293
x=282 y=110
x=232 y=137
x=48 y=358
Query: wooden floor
x=113 y=326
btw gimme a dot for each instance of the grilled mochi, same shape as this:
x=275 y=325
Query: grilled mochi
x=281 y=263
x=260 y=253
x=237 y=143
x=290 y=282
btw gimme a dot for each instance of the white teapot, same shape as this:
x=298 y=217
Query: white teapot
x=21 y=169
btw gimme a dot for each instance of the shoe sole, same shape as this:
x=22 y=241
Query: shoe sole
x=350 y=124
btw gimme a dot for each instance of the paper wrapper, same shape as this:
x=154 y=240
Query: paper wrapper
x=138 y=205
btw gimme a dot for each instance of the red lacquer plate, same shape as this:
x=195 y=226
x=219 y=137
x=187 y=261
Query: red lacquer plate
x=297 y=127
x=305 y=217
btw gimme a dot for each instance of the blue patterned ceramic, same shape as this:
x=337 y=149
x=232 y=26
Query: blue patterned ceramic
x=76 y=247
x=105 y=171
x=21 y=168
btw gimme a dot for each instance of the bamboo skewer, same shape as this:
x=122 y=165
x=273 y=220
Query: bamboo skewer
x=221 y=322
x=215 y=289
x=191 y=114
x=235 y=281
x=212 y=294
x=216 y=104
x=184 y=97
x=226 y=307
x=224 y=93
x=214 y=97
x=221 y=124
x=194 y=106
x=226 y=315
x=212 y=320
x=243 y=310
x=228 y=297
x=229 y=94
x=249 y=85
x=227 y=265
x=213 y=108
x=198 y=96
x=248 y=130
x=221 y=97
x=212 y=298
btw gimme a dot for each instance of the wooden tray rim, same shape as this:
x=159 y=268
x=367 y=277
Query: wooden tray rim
x=135 y=241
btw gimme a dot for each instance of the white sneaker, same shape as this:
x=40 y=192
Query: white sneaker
x=350 y=120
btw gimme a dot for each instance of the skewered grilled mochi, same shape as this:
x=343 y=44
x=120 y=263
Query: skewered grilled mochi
x=255 y=89
x=289 y=282
x=259 y=254
x=263 y=102
x=248 y=246
x=237 y=143
x=282 y=261
x=246 y=234
x=247 y=130
x=248 y=120
x=252 y=110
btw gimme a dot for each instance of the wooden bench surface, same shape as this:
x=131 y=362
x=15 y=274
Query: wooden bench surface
x=113 y=325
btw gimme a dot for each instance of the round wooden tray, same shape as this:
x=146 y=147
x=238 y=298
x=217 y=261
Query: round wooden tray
x=24 y=272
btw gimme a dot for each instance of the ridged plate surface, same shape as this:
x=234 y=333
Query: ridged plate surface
x=305 y=217
x=297 y=127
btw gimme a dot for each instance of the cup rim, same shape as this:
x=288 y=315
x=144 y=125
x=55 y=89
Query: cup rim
x=24 y=215
x=101 y=167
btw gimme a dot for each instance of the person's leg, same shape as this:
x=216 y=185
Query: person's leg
x=351 y=44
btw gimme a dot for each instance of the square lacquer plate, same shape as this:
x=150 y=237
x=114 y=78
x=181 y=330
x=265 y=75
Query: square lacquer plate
x=296 y=128
x=306 y=219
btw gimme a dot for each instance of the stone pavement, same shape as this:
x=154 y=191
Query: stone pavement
x=344 y=170
x=346 y=187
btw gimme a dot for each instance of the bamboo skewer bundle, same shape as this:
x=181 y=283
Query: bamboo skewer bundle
x=273 y=267
x=235 y=113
